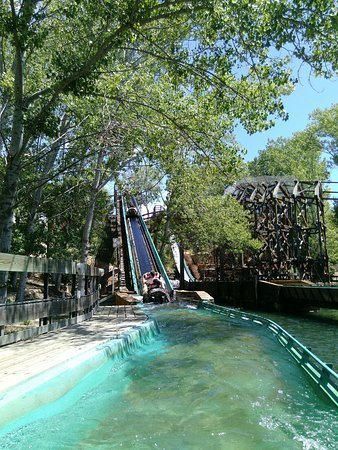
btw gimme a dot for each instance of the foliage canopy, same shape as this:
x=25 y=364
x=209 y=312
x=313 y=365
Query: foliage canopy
x=130 y=77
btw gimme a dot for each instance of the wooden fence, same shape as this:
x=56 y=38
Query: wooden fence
x=52 y=313
x=20 y=263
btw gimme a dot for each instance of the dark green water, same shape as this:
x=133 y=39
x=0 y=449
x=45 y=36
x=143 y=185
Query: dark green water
x=203 y=383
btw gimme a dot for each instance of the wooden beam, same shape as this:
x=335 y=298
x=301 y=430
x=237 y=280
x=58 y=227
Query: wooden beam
x=17 y=312
x=20 y=263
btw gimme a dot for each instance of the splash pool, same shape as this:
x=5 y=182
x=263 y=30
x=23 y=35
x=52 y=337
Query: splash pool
x=203 y=383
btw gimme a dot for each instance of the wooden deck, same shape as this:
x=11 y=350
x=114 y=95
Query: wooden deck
x=23 y=360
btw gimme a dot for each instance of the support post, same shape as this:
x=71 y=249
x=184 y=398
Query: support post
x=73 y=291
x=43 y=321
x=86 y=285
x=181 y=248
x=45 y=286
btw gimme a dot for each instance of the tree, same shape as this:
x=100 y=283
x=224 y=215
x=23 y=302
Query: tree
x=324 y=124
x=299 y=156
x=201 y=216
x=303 y=155
x=143 y=181
x=52 y=48
x=332 y=236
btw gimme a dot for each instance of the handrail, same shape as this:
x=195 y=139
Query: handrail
x=322 y=374
x=129 y=250
x=21 y=263
x=155 y=253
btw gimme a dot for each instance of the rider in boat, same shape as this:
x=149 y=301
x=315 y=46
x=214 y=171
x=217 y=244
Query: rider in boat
x=151 y=280
x=153 y=286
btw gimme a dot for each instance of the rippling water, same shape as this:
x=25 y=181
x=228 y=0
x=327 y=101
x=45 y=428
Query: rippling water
x=318 y=330
x=203 y=383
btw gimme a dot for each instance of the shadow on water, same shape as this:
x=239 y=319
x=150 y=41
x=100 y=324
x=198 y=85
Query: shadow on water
x=324 y=316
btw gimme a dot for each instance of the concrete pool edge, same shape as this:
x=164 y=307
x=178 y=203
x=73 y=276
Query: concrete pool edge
x=52 y=384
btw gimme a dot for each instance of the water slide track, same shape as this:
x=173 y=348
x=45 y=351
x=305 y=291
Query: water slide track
x=145 y=261
x=142 y=251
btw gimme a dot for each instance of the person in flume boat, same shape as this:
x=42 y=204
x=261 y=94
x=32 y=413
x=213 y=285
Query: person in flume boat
x=151 y=280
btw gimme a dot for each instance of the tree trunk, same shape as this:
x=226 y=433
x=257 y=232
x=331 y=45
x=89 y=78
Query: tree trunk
x=90 y=213
x=10 y=183
x=3 y=101
x=90 y=217
x=20 y=293
x=87 y=229
x=58 y=280
x=49 y=163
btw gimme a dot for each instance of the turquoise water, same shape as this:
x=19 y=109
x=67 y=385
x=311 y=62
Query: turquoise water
x=203 y=383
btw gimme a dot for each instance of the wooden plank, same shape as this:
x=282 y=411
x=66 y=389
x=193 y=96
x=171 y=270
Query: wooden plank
x=21 y=263
x=12 y=313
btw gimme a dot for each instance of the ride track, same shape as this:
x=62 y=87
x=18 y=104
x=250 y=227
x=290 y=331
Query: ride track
x=141 y=250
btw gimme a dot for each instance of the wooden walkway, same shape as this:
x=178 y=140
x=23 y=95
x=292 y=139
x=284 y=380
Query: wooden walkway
x=25 y=359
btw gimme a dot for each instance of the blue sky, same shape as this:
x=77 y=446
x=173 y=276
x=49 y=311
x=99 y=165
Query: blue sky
x=307 y=96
